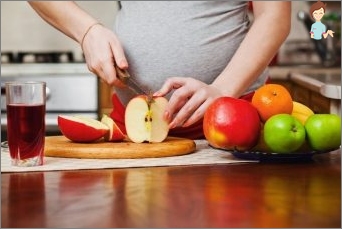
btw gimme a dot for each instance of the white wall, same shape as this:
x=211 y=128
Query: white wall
x=23 y=30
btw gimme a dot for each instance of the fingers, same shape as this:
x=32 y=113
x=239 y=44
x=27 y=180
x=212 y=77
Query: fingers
x=120 y=61
x=179 y=97
x=190 y=110
x=111 y=75
x=119 y=55
x=105 y=70
x=188 y=102
x=102 y=50
x=179 y=105
x=331 y=33
x=169 y=85
x=197 y=115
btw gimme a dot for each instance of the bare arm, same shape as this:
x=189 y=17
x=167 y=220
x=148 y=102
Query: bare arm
x=100 y=45
x=65 y=16
x=270 y=28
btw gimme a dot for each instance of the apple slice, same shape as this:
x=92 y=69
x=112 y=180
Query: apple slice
x=144 y=120
x=81 y=129
x=114 y=134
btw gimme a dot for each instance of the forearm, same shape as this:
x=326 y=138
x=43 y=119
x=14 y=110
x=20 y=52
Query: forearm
x=269 y=30
x=65 y=16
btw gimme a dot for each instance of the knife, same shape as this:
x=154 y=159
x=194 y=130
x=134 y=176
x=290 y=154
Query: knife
x=126 y=78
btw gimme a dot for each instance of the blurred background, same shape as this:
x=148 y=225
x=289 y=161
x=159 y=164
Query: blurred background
x=23 y=30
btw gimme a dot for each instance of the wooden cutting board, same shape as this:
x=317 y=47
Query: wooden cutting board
x=60 y=146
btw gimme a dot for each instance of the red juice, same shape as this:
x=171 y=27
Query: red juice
x=26 y=131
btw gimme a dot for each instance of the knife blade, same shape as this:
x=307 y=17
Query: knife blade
x=126 y=78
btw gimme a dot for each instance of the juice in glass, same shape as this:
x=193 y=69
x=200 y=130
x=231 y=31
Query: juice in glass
x=26 y=122
x=26 y=132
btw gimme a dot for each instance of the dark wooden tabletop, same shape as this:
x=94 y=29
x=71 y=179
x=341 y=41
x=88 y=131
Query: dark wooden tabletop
x=241 y=195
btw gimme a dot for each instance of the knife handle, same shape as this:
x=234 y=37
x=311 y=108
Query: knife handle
x=122 y=74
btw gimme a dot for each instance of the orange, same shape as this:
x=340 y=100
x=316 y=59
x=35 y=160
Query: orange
x=272 y=99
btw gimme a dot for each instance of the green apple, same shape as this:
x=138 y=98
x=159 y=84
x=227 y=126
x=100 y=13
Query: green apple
x=323 y=131
x=283 y=133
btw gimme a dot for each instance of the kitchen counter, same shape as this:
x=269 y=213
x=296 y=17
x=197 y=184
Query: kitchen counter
x=317 y=87
x=327 y=84
x=240 y=195
x=48 y=69
x=283 y=72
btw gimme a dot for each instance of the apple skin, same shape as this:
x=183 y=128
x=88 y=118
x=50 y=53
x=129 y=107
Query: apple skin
x=114 y=134
x=81 y=129
x=232 y=124
x=146 y=123
x=283 y=133
x=323 y=131
x=261 y=145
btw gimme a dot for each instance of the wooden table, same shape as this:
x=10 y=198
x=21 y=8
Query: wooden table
x=240 y=195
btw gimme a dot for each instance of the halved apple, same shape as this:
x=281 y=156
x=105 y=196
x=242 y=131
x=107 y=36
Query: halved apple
x=114 y=134
x=144 y=119
x=81 y=128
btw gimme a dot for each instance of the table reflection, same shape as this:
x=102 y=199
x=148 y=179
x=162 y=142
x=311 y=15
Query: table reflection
x=29 y=205
x=244 y=195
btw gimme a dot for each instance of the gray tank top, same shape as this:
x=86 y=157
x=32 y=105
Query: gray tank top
x=195 y=39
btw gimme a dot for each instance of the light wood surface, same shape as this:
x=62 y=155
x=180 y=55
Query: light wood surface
x=60 y=146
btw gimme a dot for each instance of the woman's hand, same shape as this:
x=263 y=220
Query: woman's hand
x=189 y=100
x=100 y=45
x=102 y=49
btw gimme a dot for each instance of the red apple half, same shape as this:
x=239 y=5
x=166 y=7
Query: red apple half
x=81 y=129
x=144 y=121
x=232 y=124
x=114 y=134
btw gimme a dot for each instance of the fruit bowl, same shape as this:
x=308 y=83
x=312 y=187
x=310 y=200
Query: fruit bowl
x=278 y=157
x=298 y=156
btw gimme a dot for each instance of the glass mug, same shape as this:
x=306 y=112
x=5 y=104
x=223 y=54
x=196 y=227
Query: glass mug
x=26 y=122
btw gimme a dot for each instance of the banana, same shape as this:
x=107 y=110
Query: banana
x=301 y=112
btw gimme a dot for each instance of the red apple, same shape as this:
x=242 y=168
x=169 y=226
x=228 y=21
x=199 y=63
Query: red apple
x=144 y=119
x=232 y=124
x=81 y=129
x=114 y=134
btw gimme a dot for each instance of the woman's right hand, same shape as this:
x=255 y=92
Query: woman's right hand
x=100 y=45
x=102 y=50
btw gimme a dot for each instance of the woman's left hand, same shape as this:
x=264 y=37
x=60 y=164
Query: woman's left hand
x=189 y=100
